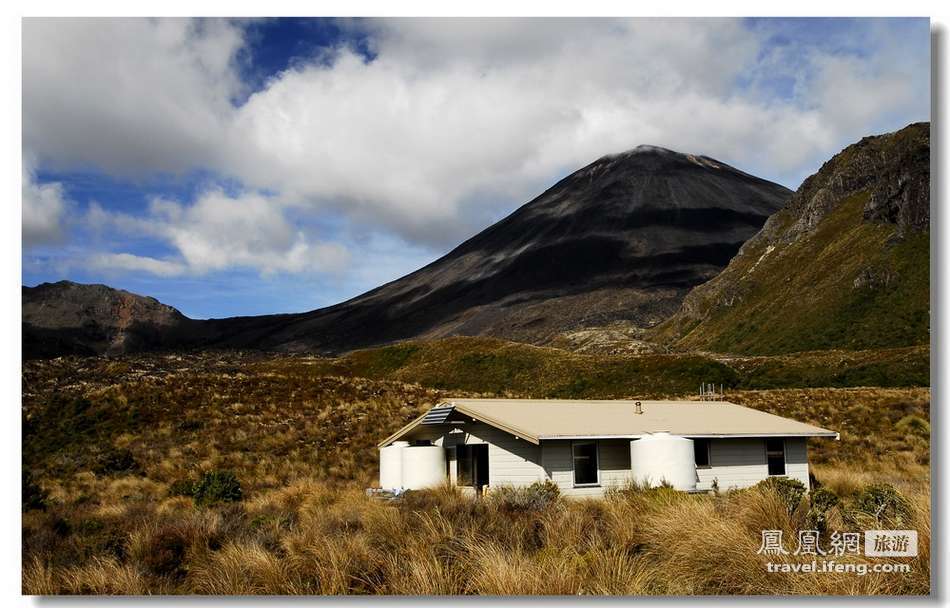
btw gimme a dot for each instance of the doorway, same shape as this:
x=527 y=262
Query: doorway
x=473 y=466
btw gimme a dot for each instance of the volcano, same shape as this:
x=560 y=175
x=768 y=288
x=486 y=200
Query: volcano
x=623 y=239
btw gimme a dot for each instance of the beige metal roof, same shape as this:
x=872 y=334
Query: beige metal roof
x=537 y=419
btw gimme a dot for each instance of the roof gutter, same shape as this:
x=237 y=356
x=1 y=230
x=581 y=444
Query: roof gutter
x=831 y=434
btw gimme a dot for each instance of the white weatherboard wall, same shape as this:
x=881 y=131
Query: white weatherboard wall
x=557 y=457
x=740 y=463
x=736 y=463
x=511 y=461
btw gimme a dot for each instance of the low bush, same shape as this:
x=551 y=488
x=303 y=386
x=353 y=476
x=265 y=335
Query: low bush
x=821 y=502
x=33 y=495
x=215 y=487
x=791 y=491
x=914 y=425
x=121 y=462
x=165 y=553
x=884 y=503
x=182 y=487
x=539 y=496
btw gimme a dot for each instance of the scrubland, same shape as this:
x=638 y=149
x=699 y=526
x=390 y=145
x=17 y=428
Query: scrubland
x=114 y=450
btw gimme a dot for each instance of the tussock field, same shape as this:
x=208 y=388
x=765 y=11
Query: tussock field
x=232 y=473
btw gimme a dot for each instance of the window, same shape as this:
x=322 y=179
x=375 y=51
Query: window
x=701 y=450
x=775 y=455
x=585 y=463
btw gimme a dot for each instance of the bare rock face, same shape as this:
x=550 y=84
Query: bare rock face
x=622 y=239
x=895 y=170
x=843 y=263
x=72 y=318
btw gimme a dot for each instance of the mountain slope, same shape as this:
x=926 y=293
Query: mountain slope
x=845 y=264
x=625 y=238
x=67 y=318
x=622 y=239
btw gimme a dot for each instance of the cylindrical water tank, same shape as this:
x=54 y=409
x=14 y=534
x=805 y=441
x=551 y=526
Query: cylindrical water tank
x=390 y=465
x=660 y=457
x=423 y=466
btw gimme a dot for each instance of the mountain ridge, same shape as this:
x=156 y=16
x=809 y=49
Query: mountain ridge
x=845 y=263
x=623 y=238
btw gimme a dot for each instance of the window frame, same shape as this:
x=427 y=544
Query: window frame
x=596 y=444
x=768 y=456
x=708 y=443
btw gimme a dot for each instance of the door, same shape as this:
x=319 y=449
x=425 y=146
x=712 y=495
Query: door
x=480 y=458
x=473 y=465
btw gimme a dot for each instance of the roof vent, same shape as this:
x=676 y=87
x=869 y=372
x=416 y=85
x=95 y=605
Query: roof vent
x=639 y=407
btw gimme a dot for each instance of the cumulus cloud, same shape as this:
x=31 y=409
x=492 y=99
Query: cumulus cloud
x=129 y=96
x=456 y=117
x=44 y=211
x=452 y=123
x=218 y=232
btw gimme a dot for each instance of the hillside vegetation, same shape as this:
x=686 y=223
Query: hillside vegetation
x=497 y=366
x=236 y=473
x=844 y=265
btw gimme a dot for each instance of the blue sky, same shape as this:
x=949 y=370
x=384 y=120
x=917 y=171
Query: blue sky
x=231 y=167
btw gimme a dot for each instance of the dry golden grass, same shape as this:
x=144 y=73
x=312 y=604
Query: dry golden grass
x=303 y=447
x=313 y=539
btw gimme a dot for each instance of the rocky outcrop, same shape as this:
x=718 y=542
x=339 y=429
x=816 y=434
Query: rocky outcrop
x=881 y=182
x=72 y=318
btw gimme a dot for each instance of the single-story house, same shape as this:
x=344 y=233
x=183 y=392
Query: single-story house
x=587 y=446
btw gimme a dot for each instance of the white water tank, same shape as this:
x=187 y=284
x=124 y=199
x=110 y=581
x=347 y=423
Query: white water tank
x=423 y=466
x=390 y=465
x=659 y=457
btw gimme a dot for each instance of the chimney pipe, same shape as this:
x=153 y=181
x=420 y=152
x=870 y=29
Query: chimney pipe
x=639 y=407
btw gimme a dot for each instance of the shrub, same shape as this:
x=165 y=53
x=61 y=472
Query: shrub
x=914 y=425
x=182 y=487
x=117 y=461
x=165 y=553
x=883 y=502
x=537 y=497
x=821 y=500
x=791 y=491
x=215 y=487
x=33 y=496
x=637 y=490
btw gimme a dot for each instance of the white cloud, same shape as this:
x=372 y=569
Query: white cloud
x=127 y=262
x=456 y=120
x=44 y=211
x=452 y=124
x=218 y=232
x=129 y=96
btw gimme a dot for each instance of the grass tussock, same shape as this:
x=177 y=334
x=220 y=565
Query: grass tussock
x=113 y=458
x=310 y=538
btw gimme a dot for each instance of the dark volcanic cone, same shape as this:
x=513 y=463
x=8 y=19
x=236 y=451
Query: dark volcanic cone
x=624 y=238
